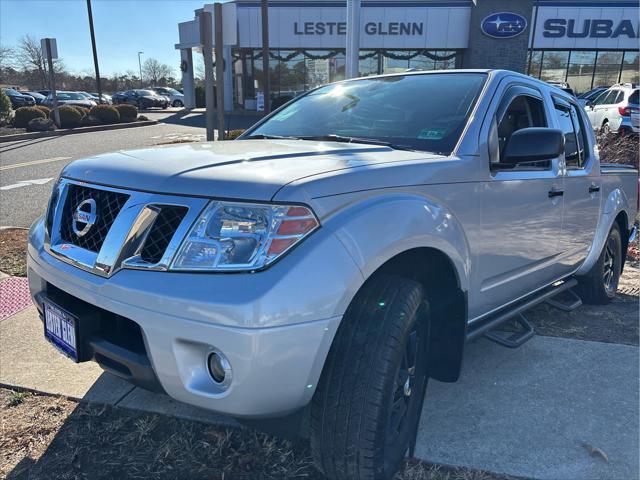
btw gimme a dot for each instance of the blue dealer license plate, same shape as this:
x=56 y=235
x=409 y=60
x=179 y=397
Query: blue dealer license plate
x=60 y=328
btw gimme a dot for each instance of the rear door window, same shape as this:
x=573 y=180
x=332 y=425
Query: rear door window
x=574 y=134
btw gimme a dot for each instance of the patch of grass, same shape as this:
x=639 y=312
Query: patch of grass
x=13 y=251
x=16 y=398
x=53 y=438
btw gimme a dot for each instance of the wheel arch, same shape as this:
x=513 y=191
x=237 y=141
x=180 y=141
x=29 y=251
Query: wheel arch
x=435 y=271
x=622 y=220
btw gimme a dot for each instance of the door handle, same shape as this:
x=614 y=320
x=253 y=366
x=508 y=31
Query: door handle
x=594 y=189
x=556 y=193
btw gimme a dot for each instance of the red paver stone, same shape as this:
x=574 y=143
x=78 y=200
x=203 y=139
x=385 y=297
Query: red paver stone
x=14 y=296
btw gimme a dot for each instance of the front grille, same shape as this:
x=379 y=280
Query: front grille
x=162 y=232
x=108 y=206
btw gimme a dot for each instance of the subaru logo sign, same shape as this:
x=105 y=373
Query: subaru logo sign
x=503 y=25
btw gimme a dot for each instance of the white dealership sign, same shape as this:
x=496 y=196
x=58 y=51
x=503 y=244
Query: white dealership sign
x=380 y=27
x=587 y=27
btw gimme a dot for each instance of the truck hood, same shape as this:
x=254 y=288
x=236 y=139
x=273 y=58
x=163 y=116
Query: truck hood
x=246 y=169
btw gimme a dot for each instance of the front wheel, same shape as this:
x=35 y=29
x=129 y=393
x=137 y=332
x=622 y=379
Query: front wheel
x=598 y=287
x=367 y=406
x=178 y=103
x=606 y=128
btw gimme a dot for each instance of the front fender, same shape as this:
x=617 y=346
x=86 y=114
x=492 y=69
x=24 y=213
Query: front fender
x=615 y=203
x=384 y=225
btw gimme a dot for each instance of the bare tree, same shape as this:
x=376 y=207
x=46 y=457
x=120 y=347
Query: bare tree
x=7 y=57
x=155 y=72
x=30 y=57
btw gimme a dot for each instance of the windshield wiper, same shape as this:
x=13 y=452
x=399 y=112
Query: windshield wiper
x=344 y=139
x=260 y=136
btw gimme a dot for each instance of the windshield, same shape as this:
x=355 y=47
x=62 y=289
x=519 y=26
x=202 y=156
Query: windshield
x=69 y=96
x=11 y=92
x=421 y=112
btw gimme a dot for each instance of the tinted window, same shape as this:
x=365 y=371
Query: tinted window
x=603 y=99
x=633 y=98
x=524 y=111
x=70 y=96
x=423 y=112
x=619 y=97
x=571 y=125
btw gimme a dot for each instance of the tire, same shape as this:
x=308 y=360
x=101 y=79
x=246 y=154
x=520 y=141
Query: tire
x=605 y=129
x=178 y=103
x=598 y=287
x=383 y=332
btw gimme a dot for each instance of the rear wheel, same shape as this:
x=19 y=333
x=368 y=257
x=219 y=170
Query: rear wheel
x=366 y=409
x=599 y=286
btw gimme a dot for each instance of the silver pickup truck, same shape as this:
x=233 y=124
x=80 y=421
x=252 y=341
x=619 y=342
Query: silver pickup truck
x=337 y=255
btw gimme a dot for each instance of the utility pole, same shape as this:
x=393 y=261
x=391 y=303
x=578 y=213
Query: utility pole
x=140 y=67
x=265 y=55
x=352 y=69
x=220 y=66
x=95 y=52
x=207 y=48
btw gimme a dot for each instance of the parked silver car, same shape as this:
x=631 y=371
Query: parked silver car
x=336 y=256
x=70 y=98
x=610 y=112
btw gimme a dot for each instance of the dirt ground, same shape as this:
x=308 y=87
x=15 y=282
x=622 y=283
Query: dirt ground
x=13 y=253
x=46 y=437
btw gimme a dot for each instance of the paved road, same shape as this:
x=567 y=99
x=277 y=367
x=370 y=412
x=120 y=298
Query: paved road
x=29 y=167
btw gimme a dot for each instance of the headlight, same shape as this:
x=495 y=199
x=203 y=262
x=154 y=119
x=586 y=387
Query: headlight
x=243 y=236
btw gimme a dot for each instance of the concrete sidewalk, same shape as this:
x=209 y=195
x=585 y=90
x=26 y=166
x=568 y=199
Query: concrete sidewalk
x=526 y=412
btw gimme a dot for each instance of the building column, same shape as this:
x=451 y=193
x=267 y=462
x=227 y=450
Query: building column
x=228 y=78
x=188 y=84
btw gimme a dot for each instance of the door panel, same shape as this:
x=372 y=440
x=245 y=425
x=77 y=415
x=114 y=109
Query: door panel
x=521 y=222
x=581 y=185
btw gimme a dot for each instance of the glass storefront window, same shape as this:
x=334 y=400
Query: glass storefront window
x=535 y=63
x=607 y=68
x=554 y=66
x=369 y=64
x=630 y=67
x=581 y=70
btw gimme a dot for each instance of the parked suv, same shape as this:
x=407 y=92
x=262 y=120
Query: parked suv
x=611 y=111
x=176 y=98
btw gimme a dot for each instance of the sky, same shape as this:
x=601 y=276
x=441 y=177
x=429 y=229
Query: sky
x=122 y=29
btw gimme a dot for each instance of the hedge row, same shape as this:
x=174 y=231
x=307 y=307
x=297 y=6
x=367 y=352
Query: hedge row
x=72 y=116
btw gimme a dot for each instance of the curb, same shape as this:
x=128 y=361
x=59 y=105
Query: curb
x=69 y=131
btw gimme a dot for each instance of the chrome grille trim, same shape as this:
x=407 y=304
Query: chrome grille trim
x=125 y=239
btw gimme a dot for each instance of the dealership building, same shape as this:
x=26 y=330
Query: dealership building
x=584 y=43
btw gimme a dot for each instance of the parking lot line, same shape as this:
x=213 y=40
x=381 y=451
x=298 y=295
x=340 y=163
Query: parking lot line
x=34 y=162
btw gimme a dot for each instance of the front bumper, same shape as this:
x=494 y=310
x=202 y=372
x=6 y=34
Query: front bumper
x=275 y=327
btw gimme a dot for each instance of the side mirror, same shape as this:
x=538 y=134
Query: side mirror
x=533 y=144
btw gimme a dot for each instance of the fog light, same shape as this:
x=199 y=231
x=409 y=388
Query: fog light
x=219 y=369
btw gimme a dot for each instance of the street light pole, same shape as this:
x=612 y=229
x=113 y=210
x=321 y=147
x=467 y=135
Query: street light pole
x=140 y=67
x=95 y=52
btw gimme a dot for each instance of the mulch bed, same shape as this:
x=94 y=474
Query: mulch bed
x=13 y=251
x=48 y=437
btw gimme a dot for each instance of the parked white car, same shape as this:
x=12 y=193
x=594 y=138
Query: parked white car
x=176 y=98
x=611 y=111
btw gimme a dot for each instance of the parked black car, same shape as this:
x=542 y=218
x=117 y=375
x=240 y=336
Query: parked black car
x=38 y=97
x=17 y=99
x=141 y=98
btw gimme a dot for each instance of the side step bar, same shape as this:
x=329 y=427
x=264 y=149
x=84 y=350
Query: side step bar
x=490 y=323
